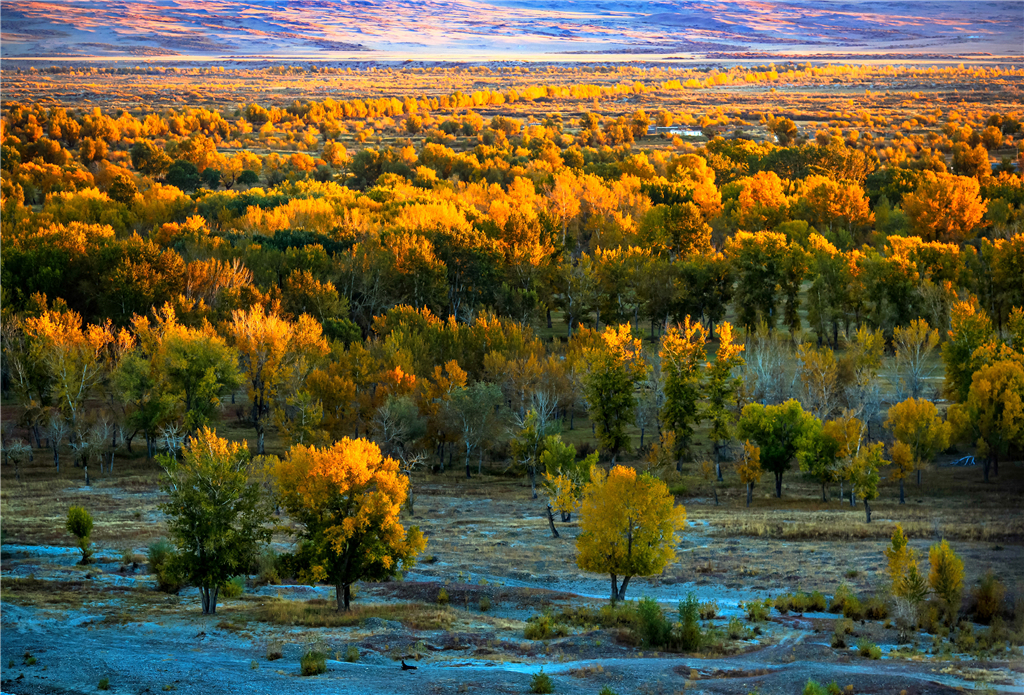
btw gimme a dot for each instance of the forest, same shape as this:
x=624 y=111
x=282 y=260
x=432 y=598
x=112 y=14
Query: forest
x=766 y=290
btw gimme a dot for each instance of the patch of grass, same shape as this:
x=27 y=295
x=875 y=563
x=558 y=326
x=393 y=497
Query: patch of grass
x=233 y=588
x=757 y=611
x=352 y=654
x=541 y=683
x=104 y=684
x=322 y=613
x=708 y=610
x=313 y=663
x=543 y=627
x=868 y=649
x=737 y=630
x=605 y=690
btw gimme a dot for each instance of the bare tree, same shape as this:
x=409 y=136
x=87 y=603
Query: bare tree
x=56 y=431
x=172 y=435
x=766 y=356
x=914 y=344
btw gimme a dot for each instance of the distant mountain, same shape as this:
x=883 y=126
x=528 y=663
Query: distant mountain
x=497 y=29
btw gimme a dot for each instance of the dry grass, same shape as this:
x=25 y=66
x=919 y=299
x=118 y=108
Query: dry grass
x=322 y=613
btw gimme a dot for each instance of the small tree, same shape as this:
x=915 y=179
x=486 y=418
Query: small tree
x=564 y=476
x=864 y=472
x=79 y=525
x=628 y=526
x=916 y=423
x=777 y=430
x=993 y=414
x=682 y=355
x=946 y=578
x=614 y=369
x=216 y=513
x=346 y=499
x=750 y=470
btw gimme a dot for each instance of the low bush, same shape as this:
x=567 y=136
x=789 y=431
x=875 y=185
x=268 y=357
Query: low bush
x=313 y=663
x=162 y=558
x=876 y=609
x=442 y=597
x=544 y=627
x=690 y=638
x=485 y=603
x=653 y=628
x=757 y=611
x=736 y=630
x=541 y=683
x=709 y=610
x=868 y=649
x=275 y=651
x=233 y=588
x=104 y=684
x=988 y=598
x=965 y=639
x=853 y=609
x=267 y=568
x=605 y=690
x=816 y=602
x=352 y=654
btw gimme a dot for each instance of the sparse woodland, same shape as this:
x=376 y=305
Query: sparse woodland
x=664 y=283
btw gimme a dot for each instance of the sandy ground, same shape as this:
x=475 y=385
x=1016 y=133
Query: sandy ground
x=104 y=621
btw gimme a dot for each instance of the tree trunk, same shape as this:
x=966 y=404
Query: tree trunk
x=902 y=500
x=551 y=522
x=208 y=595
x=480 y=462
x=86 y=465
x=867 y=510
x=149 y=447
x=343 y=596
x=260 y=438
x=715 y=490
x=642 y=437
x=778 y=485
x=533 y=480
x=750 y=493
x=566 y=517
x=615 y=588
x=622 y=587
x=549 y=317
x=853 y=497
x=467 y=463
x=824 y=498
x=718 y=461
x=919 y=477
x=111 y=462
x=56 y=455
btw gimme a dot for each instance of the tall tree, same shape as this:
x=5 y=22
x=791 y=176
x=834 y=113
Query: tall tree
x=916 y=423
x=777 y=430
x=914 y=344
x=723 y=392
x=614 y=369
x=993 y=413
x=217 y=511
x=274 y=352
x=346 y=499
x=682 y=355
x=628 y=526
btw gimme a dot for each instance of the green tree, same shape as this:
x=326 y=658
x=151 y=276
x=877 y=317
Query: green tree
x=474 y=412
x=614 y=370
x=682 y=357
x=777 y=430
x=723 y=392
x=993 y=414
x=216 y=512
x=79 y=525
x=970 y=329
x=183 y=175
x=946 y=578
x=628 y=526
x=916 y=423
x=346 y=499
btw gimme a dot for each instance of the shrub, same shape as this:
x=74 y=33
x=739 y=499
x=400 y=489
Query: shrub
x=352 y=654
x=758 y=611
x=946 y=577
x=690 y=636
x=736 y=630
x=442 y=597
x=313 y=663
x=814 y=688
x=876 y=609
x=853 y=609
x=708 y=610
x=268 y=568
x=541 y=683
x=543 y=627
x=838 y=640
x=162 y=557
x=104 y=684
x=485 y=604
x=233 y=588
x=988 y=598
x=275 y=651
x=605 y=690
x=965 y=640
x=868 y=649
x=839 y=599
x=79 y=525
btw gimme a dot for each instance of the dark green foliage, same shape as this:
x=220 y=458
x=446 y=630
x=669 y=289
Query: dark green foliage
x=79 y=525
x=690 y=637
x=164 y=562
x=183 y=175
x=778 y=430
x=313 y=663
x=653 y=628
x=868 y=649
x=541 y=683
x=542 y=627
